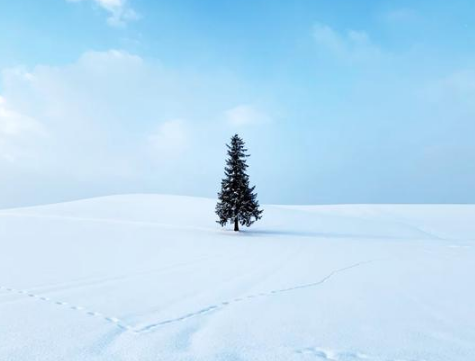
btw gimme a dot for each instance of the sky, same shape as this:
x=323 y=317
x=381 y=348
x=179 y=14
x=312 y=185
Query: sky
x=339 y=101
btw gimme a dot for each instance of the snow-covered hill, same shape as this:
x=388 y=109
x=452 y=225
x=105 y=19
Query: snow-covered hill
x=145 y=277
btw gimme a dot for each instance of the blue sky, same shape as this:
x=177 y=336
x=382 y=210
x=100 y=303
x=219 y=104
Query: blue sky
x=339 y=101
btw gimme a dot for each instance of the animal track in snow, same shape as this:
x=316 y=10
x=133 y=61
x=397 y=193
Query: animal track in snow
x=337 y=355
x=211 y=308
x=223 y=304
x=113 y=320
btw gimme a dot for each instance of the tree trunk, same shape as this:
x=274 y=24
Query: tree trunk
x=236 y=225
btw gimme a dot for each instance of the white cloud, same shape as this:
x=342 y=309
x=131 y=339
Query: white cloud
x=328 y=38
x=244 y=115
x=14 y=124
x=169 y=140
x=15 y=129
x=119 y=11
x=351 y=46
x=112 y=116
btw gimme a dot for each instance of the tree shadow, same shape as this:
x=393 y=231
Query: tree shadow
x=312 y=234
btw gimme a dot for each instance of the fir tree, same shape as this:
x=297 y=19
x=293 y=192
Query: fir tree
x=237 y=201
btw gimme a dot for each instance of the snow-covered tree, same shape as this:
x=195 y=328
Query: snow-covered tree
x=237 y=201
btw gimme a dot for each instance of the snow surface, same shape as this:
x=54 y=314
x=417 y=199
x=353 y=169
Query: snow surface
x=145 y=277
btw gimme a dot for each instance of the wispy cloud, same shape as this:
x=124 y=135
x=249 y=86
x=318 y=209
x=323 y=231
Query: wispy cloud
x=119 y=11
x=400 y=16
x=349 y=46
x=456 y=89
x=244 y=115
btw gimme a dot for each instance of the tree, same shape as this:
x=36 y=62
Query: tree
x=237 y=201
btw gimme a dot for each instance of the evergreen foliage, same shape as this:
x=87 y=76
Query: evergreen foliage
x=237 y=202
